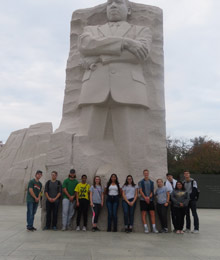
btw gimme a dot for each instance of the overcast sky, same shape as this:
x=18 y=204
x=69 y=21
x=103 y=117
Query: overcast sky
x=34 y=46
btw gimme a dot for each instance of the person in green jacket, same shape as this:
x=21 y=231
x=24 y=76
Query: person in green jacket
x=69 y=201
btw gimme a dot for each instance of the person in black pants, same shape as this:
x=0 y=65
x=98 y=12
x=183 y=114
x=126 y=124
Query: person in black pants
x=53 y=189
x=82 y=202
x=163 y=198
x=180 y=198
x=191 y=187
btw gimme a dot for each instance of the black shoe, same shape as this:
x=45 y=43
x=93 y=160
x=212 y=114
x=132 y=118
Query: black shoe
x=97 y=229
x=34 y=229
x=127 y=230
x=130 y=230
x=30 y=229
x=46 y=228
x=93 y=229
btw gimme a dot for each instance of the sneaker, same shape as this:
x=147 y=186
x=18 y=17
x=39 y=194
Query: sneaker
x=30 y=229
x=146 y=230
x=181 y=232
x=46 y=228
x=54 y=228
x=165 y=230
x=84 y=228
x=195 y=231
x=78 y=228
x=187 y=230
x=178 y=232
x=155 y=231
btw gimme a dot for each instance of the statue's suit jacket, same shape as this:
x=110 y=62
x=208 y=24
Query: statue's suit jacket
x=119 y=72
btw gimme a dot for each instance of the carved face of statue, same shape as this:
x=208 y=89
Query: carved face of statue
x=117 y=10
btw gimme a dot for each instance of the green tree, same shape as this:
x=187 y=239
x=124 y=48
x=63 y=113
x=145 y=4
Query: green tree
x=199 y=155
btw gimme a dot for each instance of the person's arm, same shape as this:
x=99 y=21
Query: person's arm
x=90 y=45
x=124 y=197
x=91 y=202
x=77 y=198
x=33 y=195
x=147 y=199
x=102 y=202
x=135 y=196
x=173 y=197
x=168 y=199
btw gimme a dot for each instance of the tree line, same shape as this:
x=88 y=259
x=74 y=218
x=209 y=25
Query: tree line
x=200 y=155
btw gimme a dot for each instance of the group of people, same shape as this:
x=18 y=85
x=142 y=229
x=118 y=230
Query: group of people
x=180 y=196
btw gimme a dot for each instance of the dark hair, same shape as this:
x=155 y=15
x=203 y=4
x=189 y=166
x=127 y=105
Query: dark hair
x=159 y=180
x=132 y=182
x=54 y=172
x=110 y=182
x=183 y=188
x=38 y=172
x=94 y=184
x=72 y=171
x=169 y=174
x=84 y=176
x=145 y=170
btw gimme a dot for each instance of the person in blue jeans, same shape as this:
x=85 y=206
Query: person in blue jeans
x=113 y=191
x=129 y=194
x=33 y=197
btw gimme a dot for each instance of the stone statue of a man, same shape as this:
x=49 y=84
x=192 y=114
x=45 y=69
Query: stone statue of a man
x=114 y=99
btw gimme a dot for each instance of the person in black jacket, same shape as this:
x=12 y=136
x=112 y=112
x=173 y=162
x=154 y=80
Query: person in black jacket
x=192 y=188
x=180 y=199
x=53 y=189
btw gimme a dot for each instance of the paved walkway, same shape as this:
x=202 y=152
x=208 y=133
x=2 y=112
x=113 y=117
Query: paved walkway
x=16 y=243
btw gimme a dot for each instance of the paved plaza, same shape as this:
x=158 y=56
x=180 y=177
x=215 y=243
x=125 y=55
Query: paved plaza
x=16 y=243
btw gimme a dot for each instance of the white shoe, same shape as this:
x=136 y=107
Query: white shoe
x=84 y=228
x=195 y=231
x=146 y=230
x=187 y=230
x=155 y=230
x=78 y=228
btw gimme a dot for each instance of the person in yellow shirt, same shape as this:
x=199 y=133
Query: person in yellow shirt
x=82 y=202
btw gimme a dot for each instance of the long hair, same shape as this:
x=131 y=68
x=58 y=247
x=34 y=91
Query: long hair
x=126 y=181
x=183 y=188
x=110 y=182
x=94 y=184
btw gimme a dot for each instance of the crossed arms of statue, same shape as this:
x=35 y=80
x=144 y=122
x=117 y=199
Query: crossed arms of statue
x=112 y=48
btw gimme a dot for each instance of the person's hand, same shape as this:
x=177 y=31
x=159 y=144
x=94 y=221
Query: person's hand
x=147 y=199
x=166 y=204
x=89 y=62
x=71 y=198
x=101 y=204
x=77 y=203
x=136 y=48
x=37 y=200
x=181 y=204
x=91 y=204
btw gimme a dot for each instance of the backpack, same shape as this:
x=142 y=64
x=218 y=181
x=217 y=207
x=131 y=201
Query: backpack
x=195 y=192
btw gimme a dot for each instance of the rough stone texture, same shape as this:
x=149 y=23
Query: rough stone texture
x=24 y=152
